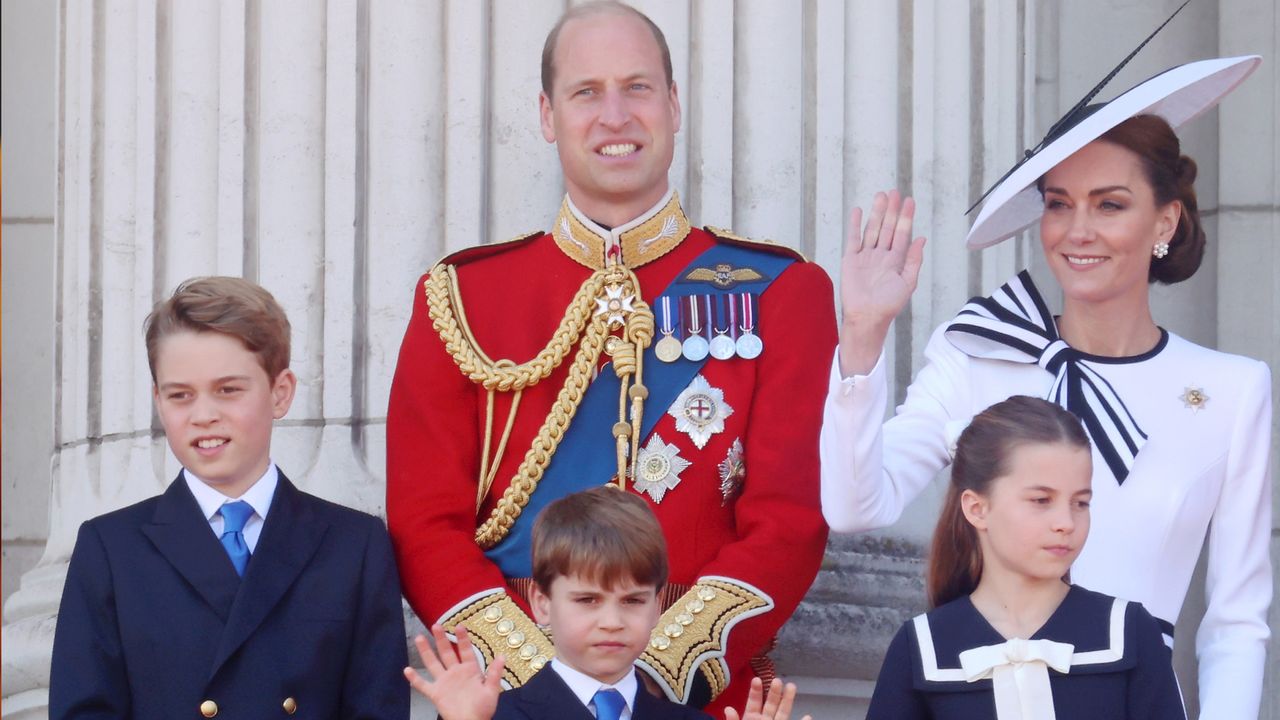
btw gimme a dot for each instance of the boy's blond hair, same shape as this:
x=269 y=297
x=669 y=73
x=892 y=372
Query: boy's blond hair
x=228 y=305
x=603 y=535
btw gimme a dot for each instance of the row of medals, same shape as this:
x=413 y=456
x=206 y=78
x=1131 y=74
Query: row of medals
x=721 y=344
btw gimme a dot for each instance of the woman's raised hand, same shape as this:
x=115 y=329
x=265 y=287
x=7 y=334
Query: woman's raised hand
x=878 y=273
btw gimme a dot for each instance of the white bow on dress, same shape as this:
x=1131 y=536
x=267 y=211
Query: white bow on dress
x=1019 y=672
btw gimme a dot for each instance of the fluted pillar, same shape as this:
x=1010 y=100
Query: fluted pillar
x=333 y=150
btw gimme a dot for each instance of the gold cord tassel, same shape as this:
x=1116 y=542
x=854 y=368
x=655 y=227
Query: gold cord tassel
x=581 y=327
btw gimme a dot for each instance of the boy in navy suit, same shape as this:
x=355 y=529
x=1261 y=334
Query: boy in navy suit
x=599 y=564
x=233 y=593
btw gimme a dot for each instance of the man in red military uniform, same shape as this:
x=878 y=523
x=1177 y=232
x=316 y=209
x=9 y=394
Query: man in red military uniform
x=622 y=346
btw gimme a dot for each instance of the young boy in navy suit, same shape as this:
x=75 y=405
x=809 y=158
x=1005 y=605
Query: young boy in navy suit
x=233 y=593
x=599 y=562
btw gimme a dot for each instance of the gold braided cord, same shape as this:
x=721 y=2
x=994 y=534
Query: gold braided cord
x=536 y=459
x=489 y=471
x=442 y=297
x=579 y=323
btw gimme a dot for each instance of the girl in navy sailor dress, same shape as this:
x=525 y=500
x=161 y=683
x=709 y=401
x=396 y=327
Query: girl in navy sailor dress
x=1008 y=638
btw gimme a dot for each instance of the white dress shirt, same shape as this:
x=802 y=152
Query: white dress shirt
x=585 y=687
x=1203 y=473
x=258 y=496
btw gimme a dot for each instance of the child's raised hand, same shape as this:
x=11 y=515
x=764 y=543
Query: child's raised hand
x=460 y=690
x=778 y=706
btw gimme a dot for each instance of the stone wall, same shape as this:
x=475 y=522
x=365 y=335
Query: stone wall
x=333 y=150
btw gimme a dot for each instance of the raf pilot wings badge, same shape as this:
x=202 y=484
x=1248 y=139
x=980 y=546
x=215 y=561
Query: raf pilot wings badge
x=723 y=276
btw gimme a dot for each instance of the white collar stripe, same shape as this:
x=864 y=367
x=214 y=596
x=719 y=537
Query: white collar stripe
x=1114 y=652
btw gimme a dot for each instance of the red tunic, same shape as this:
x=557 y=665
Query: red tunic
x=770 y=536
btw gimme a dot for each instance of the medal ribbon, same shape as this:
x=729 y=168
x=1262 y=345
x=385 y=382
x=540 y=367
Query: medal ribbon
x=706 y=304
x=695 y=322
x=667 y=326
x=748 y=313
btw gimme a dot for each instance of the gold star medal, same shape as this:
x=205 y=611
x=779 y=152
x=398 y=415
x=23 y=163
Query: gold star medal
x=700 y=411
x=1194 y=398
x=658 y=468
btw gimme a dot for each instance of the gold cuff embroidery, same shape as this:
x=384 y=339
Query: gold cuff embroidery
x=498 y=626
x=692 y=634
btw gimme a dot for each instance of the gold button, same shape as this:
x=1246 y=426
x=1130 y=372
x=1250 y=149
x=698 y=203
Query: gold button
x=538 y=662
x=528 y=651
x=504 y=627
x=684 y=619
x=493 y=613
x=290 y=705
x=673 y=630
x=208 y=708
x=696 y=606
x=515 y=639
x=660 y=642
x=706 y=594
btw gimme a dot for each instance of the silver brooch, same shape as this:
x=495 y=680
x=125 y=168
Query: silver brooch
x=1194 y=398
x=658 y=468
x=700 y=411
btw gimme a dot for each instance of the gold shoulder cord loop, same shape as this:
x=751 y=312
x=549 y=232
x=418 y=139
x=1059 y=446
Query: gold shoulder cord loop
x=579 y=323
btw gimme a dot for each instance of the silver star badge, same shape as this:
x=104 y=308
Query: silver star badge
x=614 y=305
x=700 y=411
x=658 y=468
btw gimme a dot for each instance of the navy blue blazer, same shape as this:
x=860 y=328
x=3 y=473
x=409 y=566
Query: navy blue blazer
x=547 y=697
x=1120 y=668
x=154 y=622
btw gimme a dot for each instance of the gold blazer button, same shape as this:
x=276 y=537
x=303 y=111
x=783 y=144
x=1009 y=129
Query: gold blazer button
x=208 y=708
x=290 y=705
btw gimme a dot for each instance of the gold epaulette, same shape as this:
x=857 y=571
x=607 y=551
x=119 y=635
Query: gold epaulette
x=692 y=634
x=498 y=626
x=768 y=246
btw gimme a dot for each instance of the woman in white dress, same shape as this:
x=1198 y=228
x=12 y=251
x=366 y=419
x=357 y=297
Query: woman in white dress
x=1181 y=433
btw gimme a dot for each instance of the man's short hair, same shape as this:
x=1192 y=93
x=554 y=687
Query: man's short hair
x=603 y=535
x=228 y=305
x=597 y=7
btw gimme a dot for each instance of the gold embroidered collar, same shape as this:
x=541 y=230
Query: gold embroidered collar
x=640 y=241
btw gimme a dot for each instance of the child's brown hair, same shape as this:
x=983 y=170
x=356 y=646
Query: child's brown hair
x=604 y=535
x=982 y=455
x=228 y=305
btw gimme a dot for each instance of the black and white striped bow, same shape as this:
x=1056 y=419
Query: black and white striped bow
x=1014 y=324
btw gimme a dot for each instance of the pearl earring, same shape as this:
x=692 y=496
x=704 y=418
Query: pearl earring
x=1160 y=250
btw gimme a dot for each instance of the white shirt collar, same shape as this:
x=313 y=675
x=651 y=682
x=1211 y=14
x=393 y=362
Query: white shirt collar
x=258 y=495
x=584 y=686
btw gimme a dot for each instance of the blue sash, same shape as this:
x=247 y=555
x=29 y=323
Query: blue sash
x=585 y=457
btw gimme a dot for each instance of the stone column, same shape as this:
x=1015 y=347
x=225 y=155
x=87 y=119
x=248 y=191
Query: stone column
x=1248 y=225
x=198 y=139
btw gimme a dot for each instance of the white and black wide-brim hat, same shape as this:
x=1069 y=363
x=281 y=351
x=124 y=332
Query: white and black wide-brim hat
x=1178 y=95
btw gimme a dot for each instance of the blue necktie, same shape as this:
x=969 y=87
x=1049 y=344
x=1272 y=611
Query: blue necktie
x=609 y=704
x=234 y=516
